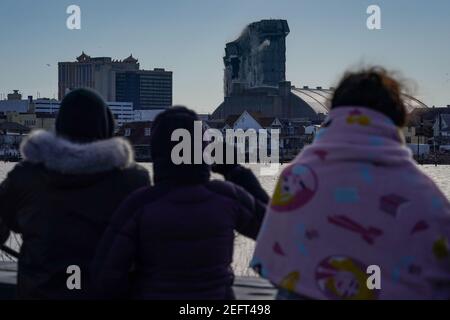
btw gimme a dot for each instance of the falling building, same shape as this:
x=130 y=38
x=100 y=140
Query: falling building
x=255 y=78
x=255 y=75
x=257 y=58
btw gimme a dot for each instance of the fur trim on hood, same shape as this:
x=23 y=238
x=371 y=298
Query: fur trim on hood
x=61 y=155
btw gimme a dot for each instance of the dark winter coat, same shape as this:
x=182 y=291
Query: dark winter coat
x=61 y=198
x=177 y=236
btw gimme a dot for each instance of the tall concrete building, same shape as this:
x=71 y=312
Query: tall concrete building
x=147 y=89
x=97 y=73
x=258 y=57
x=117 y=80
x=255 y=76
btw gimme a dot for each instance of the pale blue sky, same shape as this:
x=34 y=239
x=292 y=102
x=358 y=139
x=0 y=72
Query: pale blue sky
x=188 y=37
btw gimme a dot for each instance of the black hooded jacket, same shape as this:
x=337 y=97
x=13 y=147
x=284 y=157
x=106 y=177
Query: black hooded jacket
x=60 y=199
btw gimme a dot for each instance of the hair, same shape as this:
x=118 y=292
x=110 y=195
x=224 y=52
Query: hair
x=374 y=88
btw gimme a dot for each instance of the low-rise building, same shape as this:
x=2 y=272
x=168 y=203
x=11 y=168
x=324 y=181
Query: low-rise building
x=427 y=125
x=45 y=121
x=138 y=134
x=411 y=136
x=441 y=126
x=146 y=114
x=32 y=121
x=123 y=111
x=312 y=129
x=292 y=135
x=11 y=135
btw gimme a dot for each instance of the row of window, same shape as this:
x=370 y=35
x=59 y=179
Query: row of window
x=150 y=98
x=159 y=87
x=153 y=97
x=75 y=74
x=168 y=79
x=147 y=132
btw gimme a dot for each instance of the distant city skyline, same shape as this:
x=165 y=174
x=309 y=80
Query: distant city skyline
x=188 y=37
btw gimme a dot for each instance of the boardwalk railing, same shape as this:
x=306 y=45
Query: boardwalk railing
x=245 y=288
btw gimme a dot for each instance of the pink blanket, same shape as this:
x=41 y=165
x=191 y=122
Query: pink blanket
x=352 y=199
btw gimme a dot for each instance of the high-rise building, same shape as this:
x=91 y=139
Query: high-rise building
x=147 y=89
x=97 y=73
x=258 y=57
x=117 y=80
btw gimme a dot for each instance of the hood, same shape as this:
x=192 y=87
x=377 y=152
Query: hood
x=177 y=117
x=358 y=134
x=65 y=157
x=84 y=106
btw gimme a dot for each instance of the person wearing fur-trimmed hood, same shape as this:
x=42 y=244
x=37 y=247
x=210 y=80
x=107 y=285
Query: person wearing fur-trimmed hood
x=61 y=196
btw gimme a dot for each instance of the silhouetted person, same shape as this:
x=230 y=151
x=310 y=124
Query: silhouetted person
x=355 y=198
x=177 y=237
x=61 y=196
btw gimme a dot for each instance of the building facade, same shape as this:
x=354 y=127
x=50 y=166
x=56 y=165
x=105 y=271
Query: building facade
x=147 y=89
x=45 y=106
x=138 y=134
x=32 y=120
x=97 y=73
x=117 y=80
x=11 y=135
x=122 y=111
x=441 y=127
x=41 y=113
x=257 y=58
x=146 y=114
x=291 y=134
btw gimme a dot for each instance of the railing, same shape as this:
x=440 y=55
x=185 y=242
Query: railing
x=11 y=246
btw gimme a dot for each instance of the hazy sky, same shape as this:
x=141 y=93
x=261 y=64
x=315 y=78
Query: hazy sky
x=188 y=37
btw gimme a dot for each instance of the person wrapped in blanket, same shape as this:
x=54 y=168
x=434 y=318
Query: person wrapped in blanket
x=353 y=216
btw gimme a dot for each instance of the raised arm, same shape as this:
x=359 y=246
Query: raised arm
x=239 y=175
x=251 y=213
x=245 y=178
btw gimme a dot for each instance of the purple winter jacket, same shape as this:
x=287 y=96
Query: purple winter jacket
x=175 y=240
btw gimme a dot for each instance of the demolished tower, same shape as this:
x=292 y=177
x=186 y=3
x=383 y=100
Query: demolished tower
x=258 y=57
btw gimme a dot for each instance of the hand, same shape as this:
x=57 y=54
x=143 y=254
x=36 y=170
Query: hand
x=225 y=168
